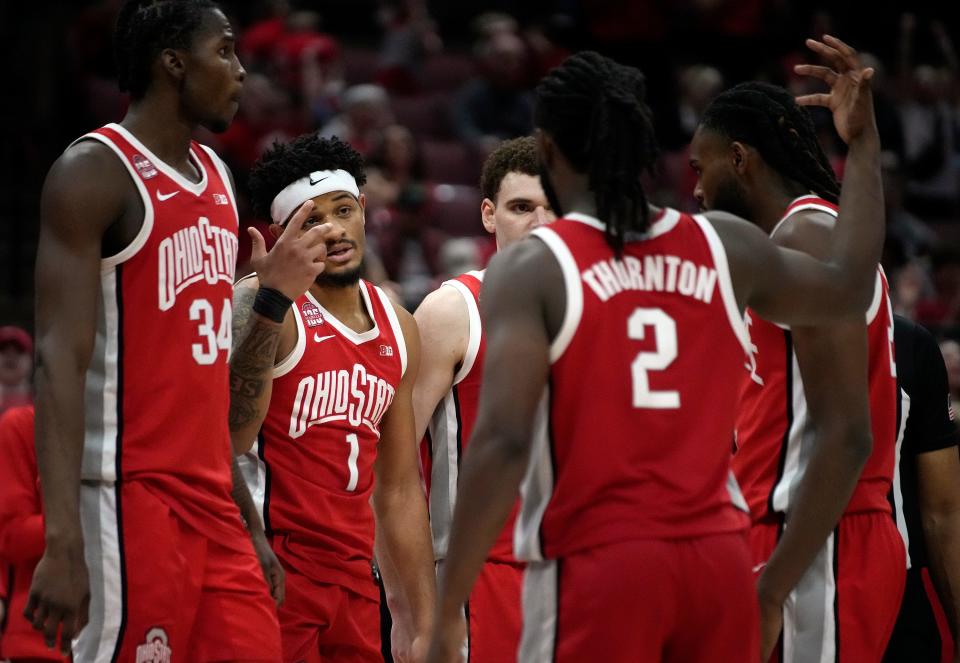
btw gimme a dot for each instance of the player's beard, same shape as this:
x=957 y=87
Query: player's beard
x=731 y=197
x=343 y=279
x=549 y=191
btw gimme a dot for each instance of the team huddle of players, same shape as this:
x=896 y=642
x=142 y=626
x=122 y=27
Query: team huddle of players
x=599 y=370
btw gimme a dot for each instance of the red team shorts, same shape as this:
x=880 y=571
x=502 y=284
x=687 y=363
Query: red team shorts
x=161 y=591
x=845 y=606
x=320 y=623
x=683 y=600
x=493 y=613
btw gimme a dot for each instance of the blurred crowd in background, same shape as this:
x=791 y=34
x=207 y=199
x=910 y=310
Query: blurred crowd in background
x=425 y=90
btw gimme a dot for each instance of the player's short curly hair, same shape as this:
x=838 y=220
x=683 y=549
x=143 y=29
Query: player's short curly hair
x=284 y=164
x=513 y=156
x=146 y=27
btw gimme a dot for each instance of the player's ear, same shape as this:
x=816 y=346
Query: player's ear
x=362 y=201
x=739 y=155
x=172 y=62
x=487 y=210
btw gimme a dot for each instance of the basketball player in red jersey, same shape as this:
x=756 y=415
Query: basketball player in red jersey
x=324 y=390
x=448 y=388
x=135 y=263
x=624 y=335
x=812 y=398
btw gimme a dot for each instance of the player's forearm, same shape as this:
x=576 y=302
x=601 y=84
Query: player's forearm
x=942 y=533
x=21 y=539
x=244 y=501
x=860 y=228
x=251 y=364
x=407 y=553
x=823 y=494
x=487 y=490
x=59 y=445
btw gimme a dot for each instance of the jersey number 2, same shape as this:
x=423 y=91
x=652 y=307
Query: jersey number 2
x=665 y=335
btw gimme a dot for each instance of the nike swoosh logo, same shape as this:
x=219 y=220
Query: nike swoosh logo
x=166 y=196
x=313 y=181
x=318 y=338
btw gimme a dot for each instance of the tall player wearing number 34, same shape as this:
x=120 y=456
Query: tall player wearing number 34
x=135 y=261
x=614 y=349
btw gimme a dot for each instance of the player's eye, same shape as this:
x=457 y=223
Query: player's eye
x=522 y=208
x=345 y=210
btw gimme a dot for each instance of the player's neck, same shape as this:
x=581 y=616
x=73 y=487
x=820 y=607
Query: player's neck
x=345 y=304
x=164 y=133
x=768 y=208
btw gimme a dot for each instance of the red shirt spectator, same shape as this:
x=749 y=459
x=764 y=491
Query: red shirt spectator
x=21 y=532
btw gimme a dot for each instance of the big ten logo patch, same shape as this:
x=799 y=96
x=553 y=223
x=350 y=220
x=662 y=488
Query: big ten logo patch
x=144 y=167
x=311 y=314
x=220 y=199
x=156 y=648
x=386 y=350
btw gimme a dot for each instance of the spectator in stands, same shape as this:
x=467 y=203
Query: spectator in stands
x=16 y=364
x=366 y=113
x=950 y=350
x=943 y=308
x=395 y=166
x=21 y=534
x=914 y=237
x=699 y=84
x=497 y=104
x=410 y=35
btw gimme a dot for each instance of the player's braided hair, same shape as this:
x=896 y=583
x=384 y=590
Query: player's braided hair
x=284 y=164
x=512 y=156
x=595 y=111
x=145 y=28
x=767 y=118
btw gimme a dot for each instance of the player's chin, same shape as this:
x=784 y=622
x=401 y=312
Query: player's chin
x=222 y=122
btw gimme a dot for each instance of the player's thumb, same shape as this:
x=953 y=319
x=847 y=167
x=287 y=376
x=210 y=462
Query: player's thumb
x=258 y=247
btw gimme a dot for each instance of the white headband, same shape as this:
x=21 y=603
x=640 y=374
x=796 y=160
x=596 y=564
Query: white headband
x=315 y=184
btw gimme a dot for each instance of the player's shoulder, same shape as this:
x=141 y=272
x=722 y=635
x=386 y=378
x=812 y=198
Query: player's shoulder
x=444 y=305
x=88 y=159
x=808 y=230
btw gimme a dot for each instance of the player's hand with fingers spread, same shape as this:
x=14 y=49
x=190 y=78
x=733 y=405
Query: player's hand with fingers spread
x=59 y=595
x=849 y=99
x=296 y=259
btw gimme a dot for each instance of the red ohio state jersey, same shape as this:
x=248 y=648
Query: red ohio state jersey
x=637 y=419
x=318 y=443
x=157 y=388
x=774 y=432
x=451 y=426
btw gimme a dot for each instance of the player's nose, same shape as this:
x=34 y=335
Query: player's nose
x=541 y=216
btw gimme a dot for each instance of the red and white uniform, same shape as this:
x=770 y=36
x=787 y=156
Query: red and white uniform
x=316 y=452
x=157 y=452
x=493 y=610
x=863 y=567
x=629 y=491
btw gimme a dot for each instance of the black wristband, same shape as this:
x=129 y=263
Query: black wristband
x=271 y=304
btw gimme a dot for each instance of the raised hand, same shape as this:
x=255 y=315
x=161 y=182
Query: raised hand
x=296 y=259
x=850 y=99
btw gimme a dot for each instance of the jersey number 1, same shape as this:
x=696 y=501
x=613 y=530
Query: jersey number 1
x=665 y=335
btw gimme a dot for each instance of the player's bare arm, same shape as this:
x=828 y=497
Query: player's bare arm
x=401 y=508
x=287 y=270
x=833 y=364
x=87 y=202
x=444 y=325
x=939 y=493
x=789 y=286
x=522 y=312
